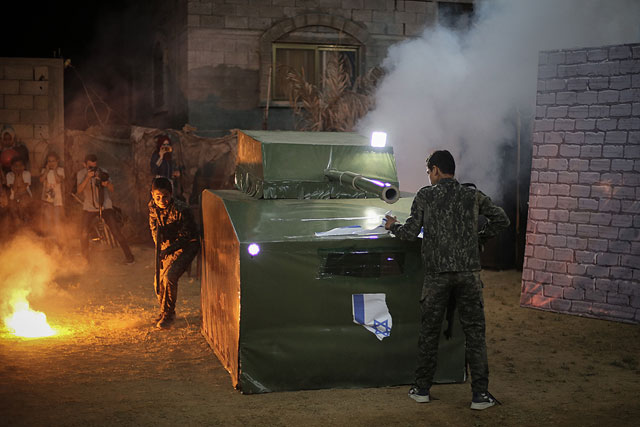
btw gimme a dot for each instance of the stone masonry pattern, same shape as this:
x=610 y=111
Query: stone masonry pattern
x=31 y=102
x=229 y=48
x=583 y=233
x=227 y=32
x=390 y=19
x=24 y=99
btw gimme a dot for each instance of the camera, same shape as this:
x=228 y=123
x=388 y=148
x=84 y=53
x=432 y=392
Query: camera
x=100 y=174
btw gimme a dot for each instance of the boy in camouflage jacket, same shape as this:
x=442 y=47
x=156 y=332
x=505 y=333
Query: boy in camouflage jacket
x=176 y=237
x=448 y=211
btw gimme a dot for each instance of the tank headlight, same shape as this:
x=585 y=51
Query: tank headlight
x=253 y=249
x=378 y=139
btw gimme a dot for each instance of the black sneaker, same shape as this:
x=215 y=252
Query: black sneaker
x=483 y=400
x=420 y=395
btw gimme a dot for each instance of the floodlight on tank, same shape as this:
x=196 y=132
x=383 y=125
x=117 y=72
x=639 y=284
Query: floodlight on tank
x=378 y=139
x=253 y=249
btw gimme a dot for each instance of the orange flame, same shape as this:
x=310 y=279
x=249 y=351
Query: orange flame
x=25 y=322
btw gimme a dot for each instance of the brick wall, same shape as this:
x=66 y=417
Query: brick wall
x=229 y=48
x=583 y=233
x=386 y=20
x=31 y=100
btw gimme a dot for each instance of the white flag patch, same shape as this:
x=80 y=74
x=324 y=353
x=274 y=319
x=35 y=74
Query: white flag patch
x=370 y=311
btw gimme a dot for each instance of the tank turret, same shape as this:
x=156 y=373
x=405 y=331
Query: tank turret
x=293 y=165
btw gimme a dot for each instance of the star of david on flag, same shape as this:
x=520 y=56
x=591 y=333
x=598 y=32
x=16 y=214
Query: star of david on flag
x=370 y=311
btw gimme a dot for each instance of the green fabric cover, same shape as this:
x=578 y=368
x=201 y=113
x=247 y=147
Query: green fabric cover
x=293 y=164
x=296 y=328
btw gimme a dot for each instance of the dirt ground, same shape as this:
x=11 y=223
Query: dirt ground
x=110 y=366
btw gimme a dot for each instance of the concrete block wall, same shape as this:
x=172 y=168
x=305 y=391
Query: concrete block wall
x=388 y=20
x=583 y=233
x=31 y=100
x=228 y=62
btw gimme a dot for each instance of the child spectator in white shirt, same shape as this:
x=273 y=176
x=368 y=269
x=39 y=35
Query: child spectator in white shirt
x=52 y=177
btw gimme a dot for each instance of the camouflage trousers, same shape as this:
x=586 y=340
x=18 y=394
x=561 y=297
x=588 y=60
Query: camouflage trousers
x=171 y=268
x=466 y=287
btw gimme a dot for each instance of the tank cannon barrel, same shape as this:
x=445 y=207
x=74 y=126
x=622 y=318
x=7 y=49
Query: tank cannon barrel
x=386 y=191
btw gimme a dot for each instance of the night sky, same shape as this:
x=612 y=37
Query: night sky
x=51 y=29
x=90 y=34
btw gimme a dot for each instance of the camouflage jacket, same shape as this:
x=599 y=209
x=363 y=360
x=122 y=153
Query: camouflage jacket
x=448 y=213
x=175 y=225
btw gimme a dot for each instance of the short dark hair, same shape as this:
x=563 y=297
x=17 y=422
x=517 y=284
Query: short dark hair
x=90 y=158
x=52 y=154
x=17 y=159
x=443 y=160
x=161 y=139
x=161 y=183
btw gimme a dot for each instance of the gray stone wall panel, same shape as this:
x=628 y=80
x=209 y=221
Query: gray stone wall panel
x=585 y=184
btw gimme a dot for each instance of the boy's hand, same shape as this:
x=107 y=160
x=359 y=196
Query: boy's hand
x=166 y=252
x=390 y=221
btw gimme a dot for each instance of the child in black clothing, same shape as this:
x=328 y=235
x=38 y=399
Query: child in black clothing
x=177 y=242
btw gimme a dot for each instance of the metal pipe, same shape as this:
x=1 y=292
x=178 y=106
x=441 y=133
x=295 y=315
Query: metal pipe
x=386 y=191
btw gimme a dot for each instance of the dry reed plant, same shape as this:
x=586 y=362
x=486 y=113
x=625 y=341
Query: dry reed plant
x=336 y=105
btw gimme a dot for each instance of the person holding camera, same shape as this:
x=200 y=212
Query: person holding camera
x=162 y=164
x=95 y=186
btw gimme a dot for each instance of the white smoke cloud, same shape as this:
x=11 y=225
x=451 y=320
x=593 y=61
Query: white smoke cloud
x=447 y=90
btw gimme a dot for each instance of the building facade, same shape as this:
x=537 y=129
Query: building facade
x=220 y=64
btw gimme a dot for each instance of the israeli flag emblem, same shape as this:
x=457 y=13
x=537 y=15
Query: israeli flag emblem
x=370 y=311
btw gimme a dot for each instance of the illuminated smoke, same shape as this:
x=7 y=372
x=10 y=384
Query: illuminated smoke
x=25 y=272
x=461 y=91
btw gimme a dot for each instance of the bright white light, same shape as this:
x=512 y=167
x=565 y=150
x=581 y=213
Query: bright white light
x=378 y=139
x=28 y=323
x=254 y=249
x=373 y=217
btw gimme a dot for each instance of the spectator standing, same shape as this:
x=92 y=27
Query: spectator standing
x=95 y=186
x=11 y=149
x=20 y=197
x=52 y=178
x=162 y=163
x=4 y=205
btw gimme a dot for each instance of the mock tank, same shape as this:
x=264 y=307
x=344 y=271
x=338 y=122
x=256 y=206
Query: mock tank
x=302 y=288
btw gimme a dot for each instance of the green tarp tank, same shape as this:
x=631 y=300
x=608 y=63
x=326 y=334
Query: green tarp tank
x=282 y=319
